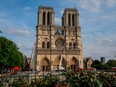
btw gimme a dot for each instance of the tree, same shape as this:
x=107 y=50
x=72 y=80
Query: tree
x=97 y=64
x=106 y=66
x=10 y=55
x=111 y=63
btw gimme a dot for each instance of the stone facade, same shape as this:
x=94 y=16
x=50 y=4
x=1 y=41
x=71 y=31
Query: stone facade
x=53 y=41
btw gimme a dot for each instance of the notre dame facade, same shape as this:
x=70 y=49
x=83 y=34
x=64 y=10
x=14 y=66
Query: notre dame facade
x=52 y=41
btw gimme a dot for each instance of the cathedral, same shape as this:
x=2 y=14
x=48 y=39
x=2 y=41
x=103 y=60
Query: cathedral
x=53 y=41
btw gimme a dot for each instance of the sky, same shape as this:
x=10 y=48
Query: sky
x=18 y=19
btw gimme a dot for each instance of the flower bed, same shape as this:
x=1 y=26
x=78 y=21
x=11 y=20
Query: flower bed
x=72 y=79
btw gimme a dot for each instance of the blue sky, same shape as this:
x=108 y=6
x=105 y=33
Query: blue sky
x=18 y=19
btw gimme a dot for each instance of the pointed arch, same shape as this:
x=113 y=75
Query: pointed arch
x=56 y=62
x=73 y=63
x=45 y=64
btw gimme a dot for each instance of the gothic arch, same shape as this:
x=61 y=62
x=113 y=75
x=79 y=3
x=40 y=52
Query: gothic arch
x=45 y=64
x=73 y=63
x=56 y=62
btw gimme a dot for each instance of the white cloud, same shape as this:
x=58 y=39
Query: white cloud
x=12 y=28
x=19 y=31
x=109 y=43
x=61 y=12
x=24 y=45
x=58 y=21
x=91 y=5
x=111 y=3
x=27 y=8
x=108 y=17
x=87 y=35
x=3 y=14
x=97 y=51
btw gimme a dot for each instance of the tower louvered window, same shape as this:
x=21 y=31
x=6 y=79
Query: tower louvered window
x=48 y=18
x=73 y=20
x=69 y=20
x=62 y=21
x=44 y=18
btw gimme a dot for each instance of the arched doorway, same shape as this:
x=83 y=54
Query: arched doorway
x=45 y=64
x=73 y=63
x=56 y=62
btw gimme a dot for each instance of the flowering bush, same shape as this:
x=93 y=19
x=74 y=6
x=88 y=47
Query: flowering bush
x=70 y=79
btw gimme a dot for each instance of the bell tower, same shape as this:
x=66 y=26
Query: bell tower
x=70 y=20
x=44 y=31
x=45 y=16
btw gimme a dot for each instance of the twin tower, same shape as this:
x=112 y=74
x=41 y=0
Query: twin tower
x=52 y=41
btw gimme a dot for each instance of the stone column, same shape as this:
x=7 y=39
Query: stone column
x=46 y=18
x=40 y=17
x=70 y=19
x=66 y=19
x=75 y=20
x=52 y=19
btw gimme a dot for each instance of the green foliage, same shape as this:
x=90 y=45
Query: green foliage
x=106 y=66
x=19 y=83
x=72 y=79
x=35 y=83
x=82 y=79
x=9 y=54
x=49 y=80
x=46 y=81
x=1 y=85
x=111 y=63
x=97 y=64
